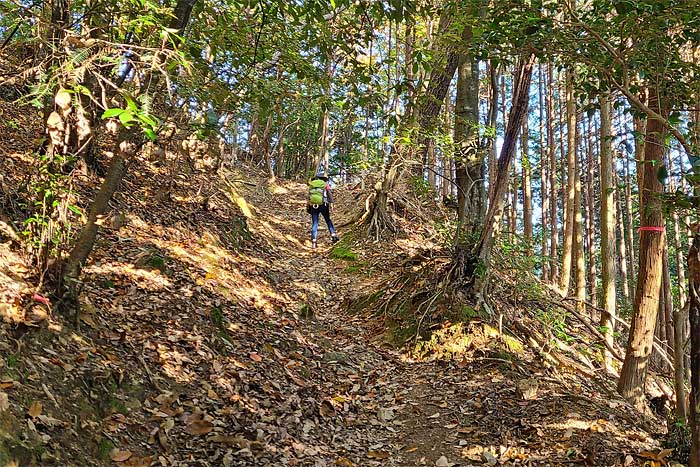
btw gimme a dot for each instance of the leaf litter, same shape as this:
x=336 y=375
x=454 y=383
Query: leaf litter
x=194 y=351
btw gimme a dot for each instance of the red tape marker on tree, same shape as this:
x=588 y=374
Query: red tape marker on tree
x=651 y=229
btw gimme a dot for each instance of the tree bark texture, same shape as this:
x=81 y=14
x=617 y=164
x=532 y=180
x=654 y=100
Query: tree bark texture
x=579 y=251
x=629 y=234
x=469 y=161
x=553 y=188
x=378 y=219
x=544 y=179
x=591 y=250
x=517 y=113
x=72 y=266
x=570 y=208
x=527 y=185
x=622 y=248
x=694 y=318
x=493 y=116
x=607 y=227
x=652 y=241
x=446 y=60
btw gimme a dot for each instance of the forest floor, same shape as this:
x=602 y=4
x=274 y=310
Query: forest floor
x=211 y=334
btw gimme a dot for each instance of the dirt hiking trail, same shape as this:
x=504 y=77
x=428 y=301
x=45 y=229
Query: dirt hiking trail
x=211 y=338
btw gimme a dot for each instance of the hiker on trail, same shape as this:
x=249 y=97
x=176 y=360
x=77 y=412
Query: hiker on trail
x=320 y=202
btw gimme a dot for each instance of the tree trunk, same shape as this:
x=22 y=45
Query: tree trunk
x=677 y=244
x=660 y=329
x=430 y=149
x=445 y=61
x=607 y=228
x=667 y=298
x=629 y=236
x=518 y=111
x=265 y=147
x=544 y=179
x=553 y=193
x=378 y=219
x=493 y=116
x=579 y=252
x=622 y=248
x=591 y=163
x=652 y=242
x=694 y=317
x=513 y=205
x=570 y=206
x=447 y=158
x=72 y=266
x=633 y=244
x=178 y=22
x=527 y=186
x=469 y=161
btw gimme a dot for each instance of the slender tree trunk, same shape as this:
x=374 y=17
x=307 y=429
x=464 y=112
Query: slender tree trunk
x=513 y=217
x=694 y=316
x=579 y=252
x=527 y=186
x=607 y=227
x=679 y=365
x=660 y=329
x=151 y=83
x=544 y=179
x=667 y=298
x=409 y=42
x=265 y=147
x=680 y=326
x=652 y=243
x=518 y=112
x=634 y=241
x=254 y=135
x=73 y=265
x=622 y=250
x=570 y=208
x=430 y=150
x=493 y=116
x=553 y=197
x=507 y=211
x=693 y=362
x=447 y=157
x=590 y=215
x=629 y=236
x=677 y=244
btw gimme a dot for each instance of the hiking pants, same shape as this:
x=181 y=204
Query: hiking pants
x=323 y=210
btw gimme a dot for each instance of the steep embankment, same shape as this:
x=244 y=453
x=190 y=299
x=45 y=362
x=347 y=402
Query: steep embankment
x=212 y=335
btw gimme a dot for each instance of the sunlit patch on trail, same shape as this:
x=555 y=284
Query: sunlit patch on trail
x=147 y=279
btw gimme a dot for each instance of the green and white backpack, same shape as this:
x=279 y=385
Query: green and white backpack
x=317 y=190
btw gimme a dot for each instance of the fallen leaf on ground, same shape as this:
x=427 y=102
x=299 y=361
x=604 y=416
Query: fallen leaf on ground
x=326 y=409
x=199 y=427
x=255 y=357
x=119 y=456
x=35 y=409
x=344 y=462
x=378 y=455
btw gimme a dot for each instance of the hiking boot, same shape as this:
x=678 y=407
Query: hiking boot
x=314 y=245
x=335 y=239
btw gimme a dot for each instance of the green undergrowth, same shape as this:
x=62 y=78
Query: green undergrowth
x=343 y=249
x=356 y=267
